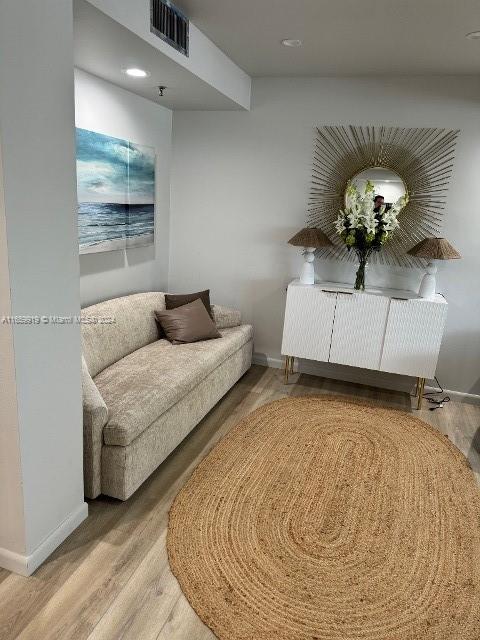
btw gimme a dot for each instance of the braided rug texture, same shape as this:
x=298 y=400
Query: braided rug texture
x=319 y=518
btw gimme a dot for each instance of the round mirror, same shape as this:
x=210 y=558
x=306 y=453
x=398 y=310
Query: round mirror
x=388 y=184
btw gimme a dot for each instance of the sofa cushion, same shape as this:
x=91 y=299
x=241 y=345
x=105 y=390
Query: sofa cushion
x=141 y=386
x=115 y=328
x=187 y=323
x=129 y=466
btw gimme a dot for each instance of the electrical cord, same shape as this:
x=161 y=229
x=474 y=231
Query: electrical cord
x=437 y=402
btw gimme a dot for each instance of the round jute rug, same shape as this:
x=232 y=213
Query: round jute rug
x=318 y=518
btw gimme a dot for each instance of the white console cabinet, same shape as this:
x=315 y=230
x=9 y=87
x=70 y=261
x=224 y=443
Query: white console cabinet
x=382 y=329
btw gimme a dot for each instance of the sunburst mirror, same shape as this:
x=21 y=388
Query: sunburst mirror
x=417 y=161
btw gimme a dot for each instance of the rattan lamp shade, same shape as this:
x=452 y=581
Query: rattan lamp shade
x=434 y=249
x=310 y=237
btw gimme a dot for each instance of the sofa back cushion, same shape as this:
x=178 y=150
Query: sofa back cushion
x=173 y=301
x=113 y=329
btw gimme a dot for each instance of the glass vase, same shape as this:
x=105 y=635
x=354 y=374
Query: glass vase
x=360 y=276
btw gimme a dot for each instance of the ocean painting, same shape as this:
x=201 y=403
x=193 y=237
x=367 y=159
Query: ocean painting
x=116 y=193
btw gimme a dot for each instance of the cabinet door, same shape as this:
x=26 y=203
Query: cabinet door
x=413 y=337
x=308 y=322
x=358 y=329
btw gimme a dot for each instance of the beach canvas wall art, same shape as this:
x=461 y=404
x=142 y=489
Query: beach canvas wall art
x=116 y=193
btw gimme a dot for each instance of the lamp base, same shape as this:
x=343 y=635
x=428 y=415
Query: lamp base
x=307 y=275
x=428 y=284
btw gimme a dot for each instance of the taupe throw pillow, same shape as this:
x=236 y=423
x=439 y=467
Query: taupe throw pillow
x=173 y=301
x=188 y=323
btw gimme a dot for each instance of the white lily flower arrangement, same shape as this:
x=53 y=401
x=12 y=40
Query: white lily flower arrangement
x=364 y=229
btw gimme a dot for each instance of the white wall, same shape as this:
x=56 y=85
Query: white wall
x=103 y=107
x=44 y=425
x=247 y=178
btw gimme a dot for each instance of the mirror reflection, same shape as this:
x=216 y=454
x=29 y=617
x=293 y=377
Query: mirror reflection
x=389 y=187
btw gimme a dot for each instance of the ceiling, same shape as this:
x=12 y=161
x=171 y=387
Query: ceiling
x=104 y=47
x=343 y=37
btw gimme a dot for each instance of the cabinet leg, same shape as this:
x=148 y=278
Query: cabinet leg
x=417 y=386
x=420 y=390
x=286 y=369
x=292 y=363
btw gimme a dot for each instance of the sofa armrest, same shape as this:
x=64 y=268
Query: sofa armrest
x=224 y=317
x=95 y=417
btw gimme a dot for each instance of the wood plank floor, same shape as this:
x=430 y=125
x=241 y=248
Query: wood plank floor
x=110 y=579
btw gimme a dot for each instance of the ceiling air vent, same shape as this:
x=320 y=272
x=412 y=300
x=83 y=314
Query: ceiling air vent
x=168 y=23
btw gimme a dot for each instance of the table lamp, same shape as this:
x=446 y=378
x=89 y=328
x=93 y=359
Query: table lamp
x=432 y=249
x=310 y=238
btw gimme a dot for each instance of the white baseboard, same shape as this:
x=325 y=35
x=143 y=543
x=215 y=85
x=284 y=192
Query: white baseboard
x=26 y=565
x=367 y=377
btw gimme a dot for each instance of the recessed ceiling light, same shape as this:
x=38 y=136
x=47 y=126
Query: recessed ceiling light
x=134 y=72
x=291 y=43
x=474 y=35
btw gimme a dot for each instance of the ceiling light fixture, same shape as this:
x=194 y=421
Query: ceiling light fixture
x=474 y=35
x=291 y=43
x=135 y=72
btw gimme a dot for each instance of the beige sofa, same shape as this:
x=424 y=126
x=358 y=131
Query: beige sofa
x=142 y=395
